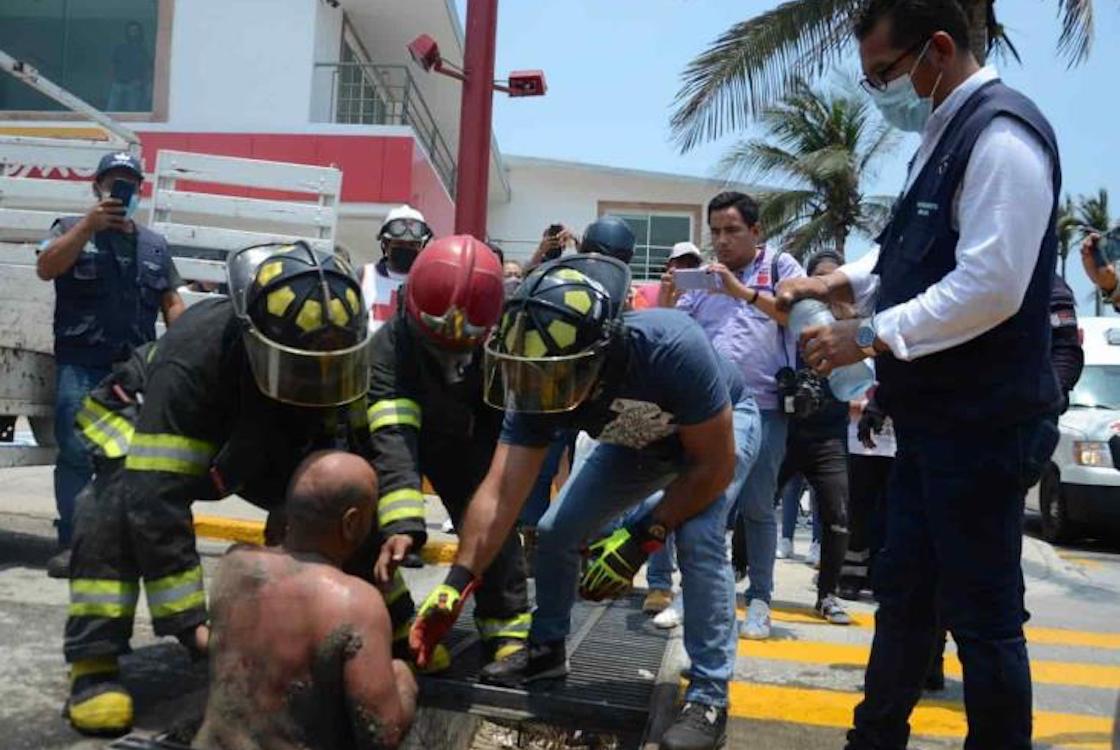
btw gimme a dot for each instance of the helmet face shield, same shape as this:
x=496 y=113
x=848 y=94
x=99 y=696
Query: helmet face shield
x=545 y=385
x=308 y=378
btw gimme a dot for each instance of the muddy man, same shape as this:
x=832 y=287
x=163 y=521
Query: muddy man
x=300 y=651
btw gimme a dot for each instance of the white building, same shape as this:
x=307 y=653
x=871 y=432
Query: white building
x=318 y=82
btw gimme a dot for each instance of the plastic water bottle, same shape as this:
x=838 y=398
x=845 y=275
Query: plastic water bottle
x=847 y=383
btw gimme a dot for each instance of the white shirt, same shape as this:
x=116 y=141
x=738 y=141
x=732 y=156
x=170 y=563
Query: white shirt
x=1002 y=210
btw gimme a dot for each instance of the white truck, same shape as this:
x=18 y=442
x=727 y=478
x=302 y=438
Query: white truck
x=1079 y=493
x=204 y=205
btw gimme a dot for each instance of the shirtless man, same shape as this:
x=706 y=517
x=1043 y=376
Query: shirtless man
x=300 y=651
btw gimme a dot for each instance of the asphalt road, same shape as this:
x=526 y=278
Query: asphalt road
x=794 y=691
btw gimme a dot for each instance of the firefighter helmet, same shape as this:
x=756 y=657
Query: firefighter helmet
x=454 y=292
x=611 y=236
x=306 y=328
x=547 y=353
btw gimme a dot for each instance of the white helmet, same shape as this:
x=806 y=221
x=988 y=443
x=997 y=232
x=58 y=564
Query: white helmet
x=405 y=223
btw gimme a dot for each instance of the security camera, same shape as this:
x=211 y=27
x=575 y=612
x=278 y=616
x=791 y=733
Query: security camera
x=527 y=83
x=425 y=52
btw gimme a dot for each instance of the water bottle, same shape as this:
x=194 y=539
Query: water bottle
x=847 y=383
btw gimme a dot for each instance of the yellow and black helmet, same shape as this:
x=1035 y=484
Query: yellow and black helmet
x=306 y=328
x=552 y=340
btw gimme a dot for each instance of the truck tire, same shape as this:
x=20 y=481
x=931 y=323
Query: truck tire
x=1056 y=526
x=43 y=430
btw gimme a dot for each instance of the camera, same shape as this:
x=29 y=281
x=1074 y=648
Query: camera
x=802 y=392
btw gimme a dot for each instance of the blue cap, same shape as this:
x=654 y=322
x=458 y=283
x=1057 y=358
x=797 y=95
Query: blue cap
x=119 y=160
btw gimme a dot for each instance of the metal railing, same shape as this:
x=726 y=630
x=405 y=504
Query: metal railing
x=366 y=94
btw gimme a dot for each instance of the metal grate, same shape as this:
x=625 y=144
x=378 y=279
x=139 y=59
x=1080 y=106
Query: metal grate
x=140 y=742
x=615 y=654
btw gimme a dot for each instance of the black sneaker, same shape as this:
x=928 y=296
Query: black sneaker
x=539 y=661
x=59 y=565
x=698 y=727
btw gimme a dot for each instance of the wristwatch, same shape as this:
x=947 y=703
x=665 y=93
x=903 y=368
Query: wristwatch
x=865 y=337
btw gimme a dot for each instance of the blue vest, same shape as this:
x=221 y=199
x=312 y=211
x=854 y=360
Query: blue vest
x=1004 y=376
x=103 y=310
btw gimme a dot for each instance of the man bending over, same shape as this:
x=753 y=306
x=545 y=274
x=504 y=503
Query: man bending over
x=300 y=651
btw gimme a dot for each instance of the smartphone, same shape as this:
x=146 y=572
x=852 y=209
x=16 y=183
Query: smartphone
x=123 y=191
x=554 y=230
x=1107 y=249
x=688 y=279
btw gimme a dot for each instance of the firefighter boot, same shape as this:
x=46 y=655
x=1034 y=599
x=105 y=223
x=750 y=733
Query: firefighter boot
x=505 y=661
x=98 y=705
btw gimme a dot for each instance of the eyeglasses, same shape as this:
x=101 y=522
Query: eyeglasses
x=879 y=81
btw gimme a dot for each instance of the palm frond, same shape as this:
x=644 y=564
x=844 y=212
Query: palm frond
x=748 y=160
x=753 y=64
x=1076 y=40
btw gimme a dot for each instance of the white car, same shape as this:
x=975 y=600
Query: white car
x=1080 y=490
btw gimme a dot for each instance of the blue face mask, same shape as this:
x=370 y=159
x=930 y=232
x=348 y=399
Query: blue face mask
x=133 y=204
x=900 y=103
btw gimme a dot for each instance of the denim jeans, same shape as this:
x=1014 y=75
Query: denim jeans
x=609 y=481
x=72 y=470
x=754 y=507
x=541 y=495
x=791 y=504
x=659 y=569
x=952 y=557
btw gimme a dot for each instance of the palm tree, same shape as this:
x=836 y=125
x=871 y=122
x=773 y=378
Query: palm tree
x=1093 y=216
x=756 y=62
x=821 y=145
x=1067 y=225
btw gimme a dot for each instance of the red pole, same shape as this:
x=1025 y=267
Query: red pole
x=472 y=183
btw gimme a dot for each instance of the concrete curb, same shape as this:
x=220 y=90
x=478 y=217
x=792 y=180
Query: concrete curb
x=435 y=552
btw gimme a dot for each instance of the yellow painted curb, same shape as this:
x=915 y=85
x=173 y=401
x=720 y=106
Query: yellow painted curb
x=252 y=532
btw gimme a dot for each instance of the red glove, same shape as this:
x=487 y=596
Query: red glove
x=439 y=612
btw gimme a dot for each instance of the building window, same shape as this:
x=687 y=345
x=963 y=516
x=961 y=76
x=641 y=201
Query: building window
x=656 y=233
x=103 y=51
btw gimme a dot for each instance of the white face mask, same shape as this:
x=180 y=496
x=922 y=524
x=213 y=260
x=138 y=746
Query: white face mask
x=900 y=103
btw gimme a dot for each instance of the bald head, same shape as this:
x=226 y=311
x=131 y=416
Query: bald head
x=324 y=488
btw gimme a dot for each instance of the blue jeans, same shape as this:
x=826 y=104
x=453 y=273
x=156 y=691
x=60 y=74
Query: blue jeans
x=608 y=482
x=73 y=469
x=754 y=506
x=952 y=558
x=791 y=504
x=659 y=570
x=541 y=495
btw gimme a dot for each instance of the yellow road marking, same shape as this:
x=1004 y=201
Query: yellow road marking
x=1035 y=635
x=1084 y=562
x=828 y=708
x=252 y=532
x=849 y=655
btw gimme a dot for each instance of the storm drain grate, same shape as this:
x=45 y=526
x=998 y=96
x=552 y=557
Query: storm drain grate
x=139 y=742
x=615 y=654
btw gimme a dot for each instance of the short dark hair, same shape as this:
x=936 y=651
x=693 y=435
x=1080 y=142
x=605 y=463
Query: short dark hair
x=820 y=257
x=914 y=21
x=743 y=203
x=314 y=513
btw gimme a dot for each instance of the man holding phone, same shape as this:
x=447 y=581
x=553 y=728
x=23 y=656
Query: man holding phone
x=111 y=277
x=1098 y=256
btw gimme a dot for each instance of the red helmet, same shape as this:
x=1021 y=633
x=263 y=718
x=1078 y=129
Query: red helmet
x=454 y=291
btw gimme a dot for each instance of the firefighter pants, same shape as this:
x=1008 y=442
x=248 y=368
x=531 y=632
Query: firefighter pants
x=119 y=537
x=502 y=602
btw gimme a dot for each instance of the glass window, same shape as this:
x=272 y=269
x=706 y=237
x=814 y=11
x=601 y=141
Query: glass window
x=359 y=100
x=102 y=51
x=655 y=235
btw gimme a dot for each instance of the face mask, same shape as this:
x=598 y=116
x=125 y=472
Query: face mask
x=401 y=258
x=133 y=204
x=900 y=104
x=511 y=283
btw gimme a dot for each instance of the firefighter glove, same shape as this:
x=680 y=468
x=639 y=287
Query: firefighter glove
x=439 y=612
x=616 y=559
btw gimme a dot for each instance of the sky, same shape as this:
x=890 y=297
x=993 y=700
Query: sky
x=613 y=69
